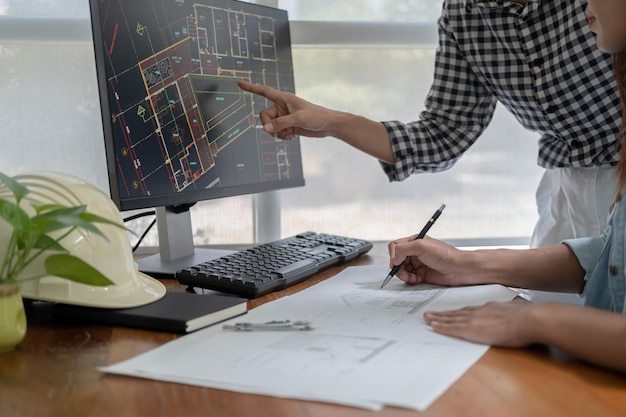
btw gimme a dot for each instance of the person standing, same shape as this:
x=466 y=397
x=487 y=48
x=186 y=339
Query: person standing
x=539 y=59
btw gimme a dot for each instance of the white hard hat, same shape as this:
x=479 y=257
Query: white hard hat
x=112 y=256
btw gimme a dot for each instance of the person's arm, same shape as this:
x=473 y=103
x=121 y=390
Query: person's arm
x=290 y=115
x=553 y=268
x=458 y=109
x=593 y=335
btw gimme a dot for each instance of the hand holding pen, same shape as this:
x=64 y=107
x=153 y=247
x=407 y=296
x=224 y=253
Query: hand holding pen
x=420 y=235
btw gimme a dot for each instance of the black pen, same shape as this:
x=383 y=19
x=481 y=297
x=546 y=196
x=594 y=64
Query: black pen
x=420 y=235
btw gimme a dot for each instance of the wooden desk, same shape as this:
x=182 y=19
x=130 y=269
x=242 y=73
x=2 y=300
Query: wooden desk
x=52 y=373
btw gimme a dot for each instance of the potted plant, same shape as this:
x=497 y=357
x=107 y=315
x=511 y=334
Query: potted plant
x=37 y=232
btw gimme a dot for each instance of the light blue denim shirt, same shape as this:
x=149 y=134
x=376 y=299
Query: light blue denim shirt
x=604 y=260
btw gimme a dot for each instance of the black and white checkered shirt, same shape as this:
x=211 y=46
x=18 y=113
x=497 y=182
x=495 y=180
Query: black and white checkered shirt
x=540 y=61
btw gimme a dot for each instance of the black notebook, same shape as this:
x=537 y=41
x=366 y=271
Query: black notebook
x=175 y=312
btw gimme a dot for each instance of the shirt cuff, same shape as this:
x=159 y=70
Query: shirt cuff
x=587 y=250
x=399 y=170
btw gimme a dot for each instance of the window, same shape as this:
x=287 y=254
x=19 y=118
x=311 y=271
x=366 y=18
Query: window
x=371 y=57
x=363 y=10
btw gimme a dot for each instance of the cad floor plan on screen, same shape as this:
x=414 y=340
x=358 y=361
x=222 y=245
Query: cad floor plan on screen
x=172 y=71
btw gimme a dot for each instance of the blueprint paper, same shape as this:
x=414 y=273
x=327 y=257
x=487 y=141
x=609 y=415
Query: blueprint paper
x=370 y=347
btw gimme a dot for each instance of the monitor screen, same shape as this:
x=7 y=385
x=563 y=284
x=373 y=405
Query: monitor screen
x=177 y=128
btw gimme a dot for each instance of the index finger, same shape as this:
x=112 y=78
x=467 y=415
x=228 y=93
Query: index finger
x=391 y=247
x=261 y=90
x=394 y=259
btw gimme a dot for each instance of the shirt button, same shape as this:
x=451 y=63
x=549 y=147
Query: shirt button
x=537 y=62
x=612 y=270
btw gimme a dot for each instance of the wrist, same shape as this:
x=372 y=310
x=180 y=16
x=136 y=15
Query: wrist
x=342 y=124
x=362 y=133
x=536 y=324
x=478 y=267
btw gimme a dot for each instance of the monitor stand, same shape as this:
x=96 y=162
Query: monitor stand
x=176 y=249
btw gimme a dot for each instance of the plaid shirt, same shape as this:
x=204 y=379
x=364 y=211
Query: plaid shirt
x=540 y=61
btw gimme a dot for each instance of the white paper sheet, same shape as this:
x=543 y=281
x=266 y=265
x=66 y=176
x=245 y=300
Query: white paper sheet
x=370 y=347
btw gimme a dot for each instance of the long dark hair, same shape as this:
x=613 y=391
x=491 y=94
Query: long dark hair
x=619 y=67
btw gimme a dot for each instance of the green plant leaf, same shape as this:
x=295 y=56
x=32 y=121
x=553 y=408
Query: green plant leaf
x=31 y=236
x=14 y=215
x=18 y=190
x=75 y=269
x=94 y=218
x=48 y=211
x=45 y=208
x=46 y=242
x=62 y=219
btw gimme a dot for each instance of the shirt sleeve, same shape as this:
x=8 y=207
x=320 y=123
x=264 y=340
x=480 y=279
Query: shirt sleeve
x=458 y=109
x=587 y=250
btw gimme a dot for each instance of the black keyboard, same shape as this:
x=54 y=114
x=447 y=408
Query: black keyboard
x=273 y=266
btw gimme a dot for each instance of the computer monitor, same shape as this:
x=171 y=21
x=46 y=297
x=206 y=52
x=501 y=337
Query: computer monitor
x=177 y=129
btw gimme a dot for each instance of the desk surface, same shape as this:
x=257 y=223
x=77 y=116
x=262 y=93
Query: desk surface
x=52 y=373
